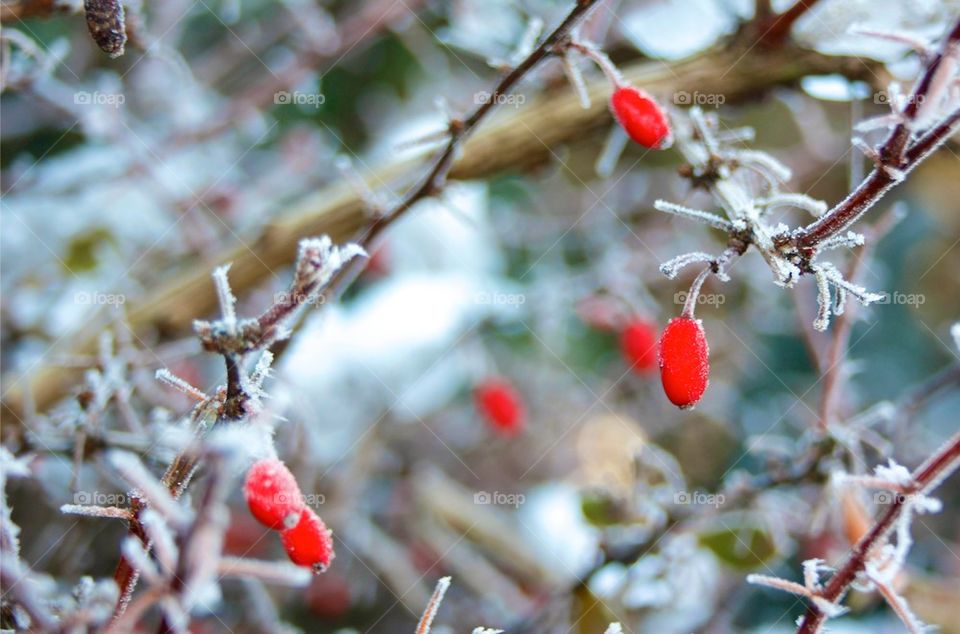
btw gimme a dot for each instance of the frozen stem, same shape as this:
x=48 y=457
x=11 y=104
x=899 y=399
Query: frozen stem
x=426 y=620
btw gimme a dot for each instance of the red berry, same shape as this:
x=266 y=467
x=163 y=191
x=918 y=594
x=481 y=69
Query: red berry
x=684 y=361
x=272 y=494
x=500 y=404
x=641 y=116
x=638 y=343
x=601 y=313
x=379 y=263
x=309 y=543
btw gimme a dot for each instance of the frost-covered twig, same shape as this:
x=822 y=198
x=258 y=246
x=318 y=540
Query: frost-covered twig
x=717 y=166
x=911 y=141
x=233 y=338
x=459 y=129
x=923 y=480
x=426 y=619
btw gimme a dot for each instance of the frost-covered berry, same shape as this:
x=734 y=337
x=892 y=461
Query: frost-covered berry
x=638 y=344
x=272 y=494
x=500 y=404
x=309 y=543
x=684 y=361
x=641 y=116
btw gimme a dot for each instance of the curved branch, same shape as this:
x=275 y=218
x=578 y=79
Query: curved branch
x=513 y=141
x=897 y=156
x=926 y=477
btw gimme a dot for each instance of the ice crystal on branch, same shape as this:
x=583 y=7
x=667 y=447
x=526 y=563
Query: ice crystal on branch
x=731 y=176
x=317 y=262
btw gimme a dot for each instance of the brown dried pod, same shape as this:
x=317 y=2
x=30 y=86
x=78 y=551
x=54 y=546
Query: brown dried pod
x=106 y=24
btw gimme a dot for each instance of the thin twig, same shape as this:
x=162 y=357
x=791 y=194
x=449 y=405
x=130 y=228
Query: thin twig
x=897 y=153
x=423 y=627
x=926 y=477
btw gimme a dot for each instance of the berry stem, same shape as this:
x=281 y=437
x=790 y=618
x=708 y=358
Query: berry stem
x=690 y=303
x=601 y=59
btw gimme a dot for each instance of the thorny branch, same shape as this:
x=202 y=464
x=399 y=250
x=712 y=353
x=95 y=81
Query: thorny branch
x=235 y=339
x=320 y=268
x=337 y=211
x=913 y=138
x=918 y=129
x=457 y=132
x=925 y=478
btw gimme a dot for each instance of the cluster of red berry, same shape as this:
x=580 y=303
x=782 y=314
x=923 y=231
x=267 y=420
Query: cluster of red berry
x=681 y=354
x=274 y=498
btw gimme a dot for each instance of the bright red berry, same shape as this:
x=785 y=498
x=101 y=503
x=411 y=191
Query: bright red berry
x=638 y=344
x=500 y=404
x=310 y=542
x=641 y=116
x=272 y=494
x=684 y=361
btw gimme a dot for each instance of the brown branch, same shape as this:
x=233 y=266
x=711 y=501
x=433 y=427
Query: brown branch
x=22 y=9
x=513 y=141
x=176 y=479
x=773 y=29
x=897 y=154
x=180 y=471
x=926 y=477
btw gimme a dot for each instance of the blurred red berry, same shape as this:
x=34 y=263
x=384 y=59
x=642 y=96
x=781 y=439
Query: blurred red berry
x=309 y=543
x=684 y=361
x=638 y=343
x=244 y=537
x=272 y=494
x=500 y=404
x=379 y=264
x=601 y=313
x=642 y=117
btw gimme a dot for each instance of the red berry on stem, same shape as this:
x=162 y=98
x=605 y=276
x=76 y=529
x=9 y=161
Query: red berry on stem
x=641 y=116
x=309 y=543
x=500 y=404
x=272 y=494
x=684 y=361
x=638 y=343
